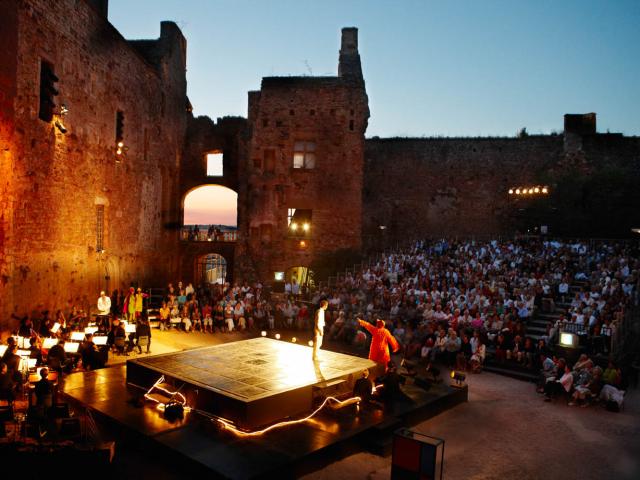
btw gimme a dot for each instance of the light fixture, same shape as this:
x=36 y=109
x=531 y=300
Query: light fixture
x=294 y=226
x=263 y=333
x=302 y=244
x=60 y=126
x=569 y=340
x=545 y=190
x=310 y=343
x=277 y=336
x=294 y=339
x=382 y=227
x=59 y=123
x=458 y=378
x=511 y=191
x=536 y=189
x=517 y=191
x=531 y=190
x=305 y=227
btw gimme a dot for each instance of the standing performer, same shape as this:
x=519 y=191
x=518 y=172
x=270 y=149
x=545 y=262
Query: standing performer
x=379 y=350
x=318 y=331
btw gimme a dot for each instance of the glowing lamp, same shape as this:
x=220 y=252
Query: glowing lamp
x=305 y=227
x=294 y=339
x=310 y=343
x=531 y=190
x=537 y=190
x=458 y=378
x=517 y=191
x=294 y=226
x=511 y=191
x=277 y=336
x=545 y=190
x=120 y=144
x=263 y=333
x=569 y=340
x=302 y=244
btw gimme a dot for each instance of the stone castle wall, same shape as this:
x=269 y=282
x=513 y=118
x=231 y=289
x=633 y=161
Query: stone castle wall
x=53 y=183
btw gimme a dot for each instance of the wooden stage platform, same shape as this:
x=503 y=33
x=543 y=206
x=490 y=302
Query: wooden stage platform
x=199 y=446
x=251 y=383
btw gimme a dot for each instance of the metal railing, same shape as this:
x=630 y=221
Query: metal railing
x=188 y=234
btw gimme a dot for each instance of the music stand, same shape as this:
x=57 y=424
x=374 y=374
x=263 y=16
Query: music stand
x=55 y=328
x=130 y=328
x=23 y=353
x=3 y=348
x=49 y=342
x=77 y=336
x=91 y=330
x=100 y=340
x=31 y=363
x=71 y=347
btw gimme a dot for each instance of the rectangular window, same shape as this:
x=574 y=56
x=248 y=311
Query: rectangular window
x=214 y=164
x=99 y=228
x=48 y=91
x=304 y=155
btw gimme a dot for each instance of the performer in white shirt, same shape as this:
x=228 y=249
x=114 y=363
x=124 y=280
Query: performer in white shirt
x=318 y=331
x=104 y=308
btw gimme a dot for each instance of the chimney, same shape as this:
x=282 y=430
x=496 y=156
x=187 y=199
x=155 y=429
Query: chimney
x=349 y=63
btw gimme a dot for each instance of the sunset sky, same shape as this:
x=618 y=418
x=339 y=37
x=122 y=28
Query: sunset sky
x=211 y=205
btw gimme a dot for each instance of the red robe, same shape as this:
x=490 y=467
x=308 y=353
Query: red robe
x=379 y=350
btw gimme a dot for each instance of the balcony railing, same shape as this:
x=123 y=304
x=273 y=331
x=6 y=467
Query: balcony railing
x=188 y=234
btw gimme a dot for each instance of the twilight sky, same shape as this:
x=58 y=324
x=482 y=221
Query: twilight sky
x=452 y=68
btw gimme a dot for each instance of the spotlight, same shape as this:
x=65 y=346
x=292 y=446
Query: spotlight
x=294 y=226
x=294 y=339
x=310 y=343
x=60 y=126
x=536 y=190
x=458 y=378
x=531 y=190
x=305 y=227
x=517 y=191
x=277 y=336
x=545 y=190
x=511 y=191
x=263 y=333
x=302 y=244
x=120 y=144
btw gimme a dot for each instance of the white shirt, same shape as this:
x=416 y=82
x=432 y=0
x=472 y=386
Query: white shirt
x=320 y=319
x=104 y=305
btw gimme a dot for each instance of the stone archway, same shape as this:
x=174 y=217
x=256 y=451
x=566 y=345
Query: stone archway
x=211 y=268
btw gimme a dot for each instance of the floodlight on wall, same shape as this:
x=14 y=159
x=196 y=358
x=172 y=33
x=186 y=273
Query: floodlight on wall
x=305 y=227
x=59 y=122
x=294 y=226
x=277 y=336
x=263 y=333
x=294 y=339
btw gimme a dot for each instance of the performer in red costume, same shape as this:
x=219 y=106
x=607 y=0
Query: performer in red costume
x=382 y=338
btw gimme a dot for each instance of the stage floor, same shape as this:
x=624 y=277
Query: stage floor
x=196 y=446
x=250 y=370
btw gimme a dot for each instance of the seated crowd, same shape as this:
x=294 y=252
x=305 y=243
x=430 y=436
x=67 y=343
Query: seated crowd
x=456 y=301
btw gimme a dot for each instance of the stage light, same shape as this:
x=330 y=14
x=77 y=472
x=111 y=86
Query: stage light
x=305 y=227
x=569 y=340
x=531 y=190
x=517 y=191
x=277 y=336
x=60 y=126
x=294 y=339
x=302 y=244
x=310 y=343
x=458 y=378
x=511 y=191
x=545 y=190
x=263 y=333
x=294 y=226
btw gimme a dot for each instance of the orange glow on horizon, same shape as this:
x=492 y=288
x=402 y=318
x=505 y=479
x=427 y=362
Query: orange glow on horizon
x=211 y=205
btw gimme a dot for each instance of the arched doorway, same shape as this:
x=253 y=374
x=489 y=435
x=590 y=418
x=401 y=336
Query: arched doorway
x=211 y=269
x=303 y=276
